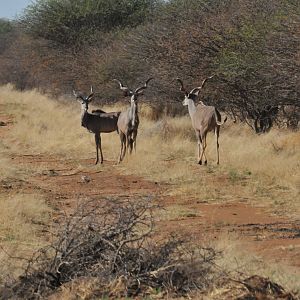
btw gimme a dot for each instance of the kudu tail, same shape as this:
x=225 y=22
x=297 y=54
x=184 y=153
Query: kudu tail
x=220 y=122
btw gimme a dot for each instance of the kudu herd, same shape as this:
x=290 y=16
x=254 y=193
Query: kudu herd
x=204 y=119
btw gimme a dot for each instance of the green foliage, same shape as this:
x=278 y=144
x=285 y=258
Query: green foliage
x=253 y=47
x=72 y=22
x=5 y=26
x=244 y=51
x=253 y=56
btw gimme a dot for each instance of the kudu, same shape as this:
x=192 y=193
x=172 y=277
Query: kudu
x=128 y=121
x=204 y=119
x=97 y=122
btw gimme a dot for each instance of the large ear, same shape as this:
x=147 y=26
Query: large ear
x=192 y=96
x=126 y=91
x=140 y=89
x=78 y=95
x=182 y=88
x=91 y=95
x=195 y=91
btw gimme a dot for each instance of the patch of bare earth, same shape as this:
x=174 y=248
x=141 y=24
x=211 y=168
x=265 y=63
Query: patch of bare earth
x=65 y=182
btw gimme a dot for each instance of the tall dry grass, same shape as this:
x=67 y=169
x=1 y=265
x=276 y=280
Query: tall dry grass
x=247 y=263
x=22 y=215
x=255 y=166
x=21 y=219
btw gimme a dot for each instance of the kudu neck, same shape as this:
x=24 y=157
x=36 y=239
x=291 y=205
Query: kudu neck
x=191 y=107
x=84 y=115
x=133 y=112
x=84 y=111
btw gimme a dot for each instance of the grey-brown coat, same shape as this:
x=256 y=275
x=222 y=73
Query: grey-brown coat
x=97 y=122
x=128 y=121
x=204 y=119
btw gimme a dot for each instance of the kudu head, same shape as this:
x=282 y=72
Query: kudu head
x=133 y=94
x=84 y=100
x=194 y=93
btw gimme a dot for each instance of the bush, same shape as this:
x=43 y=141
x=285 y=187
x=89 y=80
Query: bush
x=76 y=22
x=111 y=240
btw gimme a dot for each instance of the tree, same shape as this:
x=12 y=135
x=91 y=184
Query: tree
x=78 y=21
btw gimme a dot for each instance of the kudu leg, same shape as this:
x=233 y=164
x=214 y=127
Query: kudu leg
x=97 y=147
x=199 y=152
x=134 y=135
x=100 y=147
x=203 y=146
x=130 y=144
x=217 y=133
x=200 y=149
x=123 y=146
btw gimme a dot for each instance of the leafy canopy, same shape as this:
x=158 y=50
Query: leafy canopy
x=76 y=21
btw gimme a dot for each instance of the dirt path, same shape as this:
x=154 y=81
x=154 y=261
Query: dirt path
x=64 y=183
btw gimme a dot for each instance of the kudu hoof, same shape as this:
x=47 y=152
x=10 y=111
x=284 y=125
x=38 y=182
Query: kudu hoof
x=200 y=162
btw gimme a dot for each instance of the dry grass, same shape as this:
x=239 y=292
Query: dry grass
x=251 y=165
x=266 y=166
x=22 y=215
x=21 y=219
x=247 y=263
x=7 y=170
x=263 y=169
x=274 y=155
x=47 y=126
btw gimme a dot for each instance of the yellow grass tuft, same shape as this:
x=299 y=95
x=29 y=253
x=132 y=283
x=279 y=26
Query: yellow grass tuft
x=21 y=218
x=246 y=263
x=7 y=170
x=273 y=155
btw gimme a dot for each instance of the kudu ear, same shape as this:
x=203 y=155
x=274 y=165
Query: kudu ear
x=195 y=92
x=192 y=96
x=182 y=88
x=91 y=95
x=78 y=96
x=75 y=94
x=126 y=91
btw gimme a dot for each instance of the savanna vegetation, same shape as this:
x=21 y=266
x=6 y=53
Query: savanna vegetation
x=252 y=47
x=262 y=169
x=55 y=46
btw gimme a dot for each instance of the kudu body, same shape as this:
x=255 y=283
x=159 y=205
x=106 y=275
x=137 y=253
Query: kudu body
x=128 y=121
x=97 y=122
x=204 y=119
x=101 y=112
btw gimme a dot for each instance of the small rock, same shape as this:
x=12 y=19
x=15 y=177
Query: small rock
x=85 y=179
x=50 y=172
